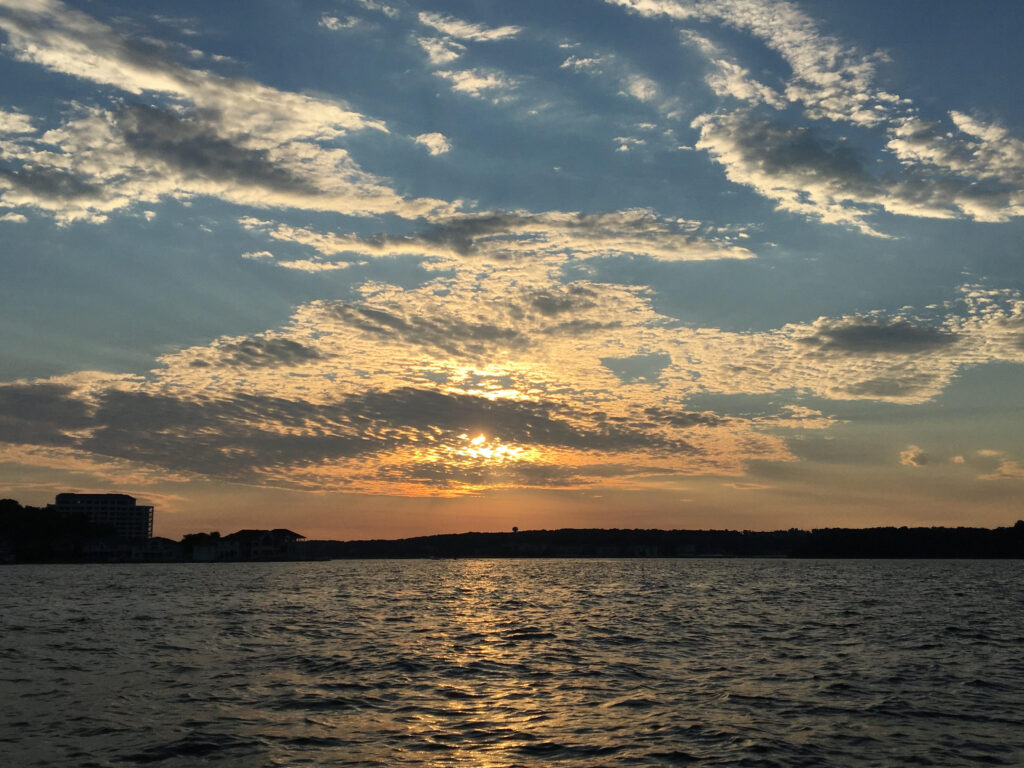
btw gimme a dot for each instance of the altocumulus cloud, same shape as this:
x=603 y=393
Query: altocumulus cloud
x=963 y=168
x=221 y=136
x=503 y=237
x=350 y=393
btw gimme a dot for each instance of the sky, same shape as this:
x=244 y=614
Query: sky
x=375 y=268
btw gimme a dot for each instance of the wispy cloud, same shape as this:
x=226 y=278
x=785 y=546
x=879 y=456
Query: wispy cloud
x=503 y=238
x=479 y=83
x=728 y=78
x=373 y=5
x=335 y=24
x=439 y=51
x=464 y=30
x=591 y=64
x=831 y=80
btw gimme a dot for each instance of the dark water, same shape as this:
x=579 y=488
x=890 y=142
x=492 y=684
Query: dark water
x=501 y=663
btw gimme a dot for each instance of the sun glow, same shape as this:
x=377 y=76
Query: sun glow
x=490 y=450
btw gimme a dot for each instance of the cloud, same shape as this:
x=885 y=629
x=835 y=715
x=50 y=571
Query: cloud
x=792 y=166
x=555 y=301
x=1007 y=470
x=626 y=143
x=641 y=88
x=440 y=52
x=401 y=438
x=258 y=352
x=436 y=143
x=335 y=24
x=727 y=78
x=831 y=181
x=100 y=162
x=48 y=184
x=372 y=5
x=14 y=218
x=831 y=80
x=461 y=384
x=389 y=394
x=311 y=266
x=67 y=41
x=192 y=147
x=15 y=122
x=475 y=82
x=614 y=71
x=970 y=168
x=876 y=335
x=981 y=164
x=463 y=30
x=40 y=414
x=684 y=419
x=913 y=456
x=734 y=81
x=448 y=335
x=876 y=357
x=211 y=135
x=591 y=64
x=508 y=237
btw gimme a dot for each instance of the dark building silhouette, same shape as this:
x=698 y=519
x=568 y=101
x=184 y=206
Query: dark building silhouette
x=116 y=510
x=241 y=546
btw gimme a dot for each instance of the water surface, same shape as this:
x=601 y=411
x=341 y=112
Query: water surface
x=514 y=662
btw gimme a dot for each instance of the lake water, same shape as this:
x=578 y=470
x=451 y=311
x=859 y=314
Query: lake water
x=514 y=662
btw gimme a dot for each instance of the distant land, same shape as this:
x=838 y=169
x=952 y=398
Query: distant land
x=46 y=535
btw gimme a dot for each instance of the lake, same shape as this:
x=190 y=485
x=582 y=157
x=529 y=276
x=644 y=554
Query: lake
x=696 y=662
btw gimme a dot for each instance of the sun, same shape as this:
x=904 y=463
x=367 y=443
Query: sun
x=491 y=450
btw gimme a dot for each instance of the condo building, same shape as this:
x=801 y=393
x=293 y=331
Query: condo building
x=128 y=519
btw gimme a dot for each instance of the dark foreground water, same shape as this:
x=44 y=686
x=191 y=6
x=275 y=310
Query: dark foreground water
x=501 y=663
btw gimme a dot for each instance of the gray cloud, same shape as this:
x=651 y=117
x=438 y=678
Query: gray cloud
x=519 y=235
x=524 y=422
x=258 y=352
x=553 y=302
x=51 y=184
x=971 y=175
x=229 y=437
x=450 y=335
x=871 y=336
x=579 y=327
x=787 y=149
x=902 y=386
x=243 y=436
x=41 y=414
x=520 y=474
x=194 y=147
x=685 y=419
x=233 y=138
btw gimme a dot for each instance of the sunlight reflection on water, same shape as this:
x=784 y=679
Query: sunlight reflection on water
x=502 y=663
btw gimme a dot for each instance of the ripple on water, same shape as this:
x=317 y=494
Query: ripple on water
x=505 y=663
